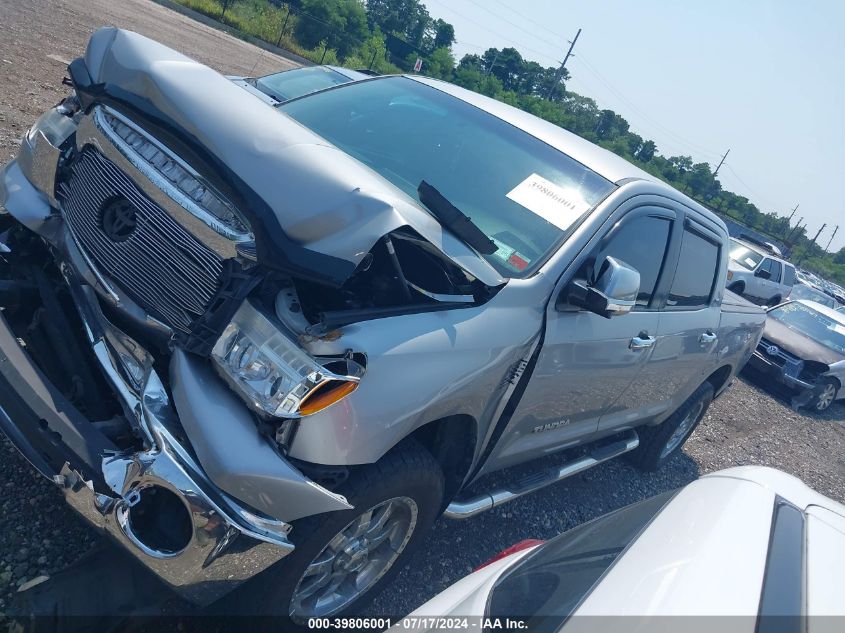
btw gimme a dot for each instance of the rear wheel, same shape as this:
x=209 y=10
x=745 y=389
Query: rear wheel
x=343 y=559
x=774 y=301
x=659 y=443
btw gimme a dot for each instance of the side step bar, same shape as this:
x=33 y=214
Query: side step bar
x=466 y=508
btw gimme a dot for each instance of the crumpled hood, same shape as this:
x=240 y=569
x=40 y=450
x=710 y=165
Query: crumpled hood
x=319 y=197
x=796 y=343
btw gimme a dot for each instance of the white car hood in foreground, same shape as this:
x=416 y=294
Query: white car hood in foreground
x=703 y=554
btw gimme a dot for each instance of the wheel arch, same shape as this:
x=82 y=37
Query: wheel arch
x=719 y=378
x=451 y=440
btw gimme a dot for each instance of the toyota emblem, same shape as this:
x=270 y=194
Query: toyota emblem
x=118 y=219
x=772 y=350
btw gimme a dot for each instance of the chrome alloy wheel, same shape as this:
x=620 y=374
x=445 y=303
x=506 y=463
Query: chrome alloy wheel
x=683 y=428
x=355 y=559
x=825 y=398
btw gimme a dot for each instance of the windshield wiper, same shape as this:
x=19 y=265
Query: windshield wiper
x=456 y=221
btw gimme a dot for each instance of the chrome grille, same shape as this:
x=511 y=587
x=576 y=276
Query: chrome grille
x=781 y=358
x=160 y=265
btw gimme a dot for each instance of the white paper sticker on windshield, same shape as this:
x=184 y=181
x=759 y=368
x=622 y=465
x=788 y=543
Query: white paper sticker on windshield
x=750 y=262
x=559 y=205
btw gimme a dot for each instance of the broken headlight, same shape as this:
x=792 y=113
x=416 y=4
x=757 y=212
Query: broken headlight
x=273 y=374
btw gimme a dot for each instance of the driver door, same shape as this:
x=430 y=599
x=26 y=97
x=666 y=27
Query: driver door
x=588 y=361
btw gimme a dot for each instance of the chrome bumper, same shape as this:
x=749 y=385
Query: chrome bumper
x=226 y=544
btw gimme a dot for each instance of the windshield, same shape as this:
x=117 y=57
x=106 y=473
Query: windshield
x=523 y=194
x=302 y=81
x=800 y=291
x=744 y=256
x=811 y=323
x=547 y=586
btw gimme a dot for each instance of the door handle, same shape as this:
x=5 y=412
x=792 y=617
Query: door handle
x=641 y=341
x=707 y=338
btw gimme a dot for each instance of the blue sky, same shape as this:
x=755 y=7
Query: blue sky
x=765 y=79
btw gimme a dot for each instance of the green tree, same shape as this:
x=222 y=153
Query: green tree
x=647 y=151
x=441 y=64
x=339 y=24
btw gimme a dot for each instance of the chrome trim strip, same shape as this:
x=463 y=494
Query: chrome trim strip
x=160 y=181
x=464 y=509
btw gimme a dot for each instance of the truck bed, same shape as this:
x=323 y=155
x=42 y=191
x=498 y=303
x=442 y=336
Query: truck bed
x=733 y=302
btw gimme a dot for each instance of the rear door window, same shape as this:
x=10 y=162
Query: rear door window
x=775 y=271
x=789 y=275
x=695 y=276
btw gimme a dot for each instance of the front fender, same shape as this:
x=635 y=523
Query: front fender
x=233 y=453
x=420 y=368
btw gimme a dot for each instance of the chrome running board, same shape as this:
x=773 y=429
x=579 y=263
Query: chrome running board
x=466 y=508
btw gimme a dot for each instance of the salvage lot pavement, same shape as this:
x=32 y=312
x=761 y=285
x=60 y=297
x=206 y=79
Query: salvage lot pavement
x=39 y=535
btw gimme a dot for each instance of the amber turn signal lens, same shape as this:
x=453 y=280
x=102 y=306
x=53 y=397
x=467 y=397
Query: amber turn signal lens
x=326 y=395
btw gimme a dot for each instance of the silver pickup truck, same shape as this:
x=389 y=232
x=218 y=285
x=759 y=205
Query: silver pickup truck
x=281 y=341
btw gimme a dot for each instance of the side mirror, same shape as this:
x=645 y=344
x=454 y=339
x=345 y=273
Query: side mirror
x=763 y=274
x=614 y=291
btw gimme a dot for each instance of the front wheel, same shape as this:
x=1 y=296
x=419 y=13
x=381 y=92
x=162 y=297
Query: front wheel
x=825 y=395
x=737 y=287
x=659 y=443
x=343 y=559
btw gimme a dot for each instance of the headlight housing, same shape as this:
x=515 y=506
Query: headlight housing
x=273 y=374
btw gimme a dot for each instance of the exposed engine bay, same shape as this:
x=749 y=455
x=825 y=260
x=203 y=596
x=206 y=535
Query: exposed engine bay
x=402 y=274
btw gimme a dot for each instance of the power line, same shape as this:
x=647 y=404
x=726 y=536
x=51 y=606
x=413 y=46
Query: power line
x=513 y=24
x=830 y=241
x=526 y=18
x=748 y=187
x=626 y=101
x=669 y=145
x=496 y=33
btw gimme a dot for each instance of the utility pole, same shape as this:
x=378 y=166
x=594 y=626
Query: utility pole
x=719 y=166
x=819 y=233
x=495 y=58
x=831 y=238
x=794 y=229
x=793 y=213
x=562 y=65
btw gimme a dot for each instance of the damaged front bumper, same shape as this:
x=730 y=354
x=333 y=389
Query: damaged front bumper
x=788 y=376
x=206 y=503
x=213 y=543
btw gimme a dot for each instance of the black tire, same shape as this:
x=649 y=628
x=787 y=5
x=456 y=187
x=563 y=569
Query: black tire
x=737 y=287
x=774 y=301
x=408 y=470
x=649 y=455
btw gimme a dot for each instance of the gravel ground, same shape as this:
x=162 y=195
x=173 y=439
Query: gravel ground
x=39 y=535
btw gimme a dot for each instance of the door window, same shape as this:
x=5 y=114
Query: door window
x=695 y=276
x=640 y=242
x=774 y=269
